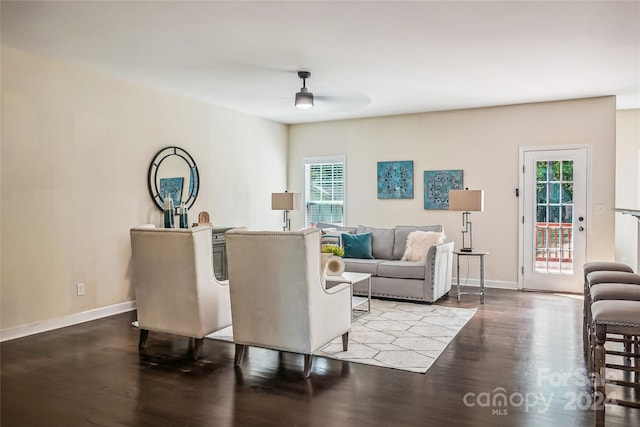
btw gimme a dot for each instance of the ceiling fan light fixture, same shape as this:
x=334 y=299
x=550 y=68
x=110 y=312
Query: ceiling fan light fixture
x=304 y=98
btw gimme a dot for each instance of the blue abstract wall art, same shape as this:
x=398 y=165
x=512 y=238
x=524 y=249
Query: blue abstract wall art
x=437 y=185
x=395 y=180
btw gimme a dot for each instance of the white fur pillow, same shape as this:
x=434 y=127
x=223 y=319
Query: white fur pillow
x=418 y=244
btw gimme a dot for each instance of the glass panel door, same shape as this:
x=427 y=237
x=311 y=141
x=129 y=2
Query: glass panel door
x=554 y=228
x=554 y=217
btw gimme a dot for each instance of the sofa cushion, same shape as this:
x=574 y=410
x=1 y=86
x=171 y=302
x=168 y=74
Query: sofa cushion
x=381 y=241
x=402 y=269
x=331 y=238
x=323 y=225
x=356 y=265
x=401 y=234
x=418 y=244
x=357 y=245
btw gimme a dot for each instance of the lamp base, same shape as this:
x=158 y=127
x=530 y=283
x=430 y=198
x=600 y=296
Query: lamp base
x=286 y=226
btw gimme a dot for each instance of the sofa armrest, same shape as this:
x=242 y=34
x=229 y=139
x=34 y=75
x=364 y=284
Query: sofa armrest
x=439 y=263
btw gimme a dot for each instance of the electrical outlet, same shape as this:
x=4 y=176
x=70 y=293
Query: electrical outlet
x=80 y=289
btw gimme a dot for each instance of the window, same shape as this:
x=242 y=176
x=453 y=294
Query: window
x=324 y=190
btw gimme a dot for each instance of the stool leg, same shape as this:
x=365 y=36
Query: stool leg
x=585 y=325
x=591 y=368
x=589 y=326
x=628 y=347
x=600 y=373
x=636 y=359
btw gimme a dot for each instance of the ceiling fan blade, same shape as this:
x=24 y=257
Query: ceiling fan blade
x=346 y=101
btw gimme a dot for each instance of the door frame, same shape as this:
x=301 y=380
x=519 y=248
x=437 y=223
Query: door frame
x=588 y=208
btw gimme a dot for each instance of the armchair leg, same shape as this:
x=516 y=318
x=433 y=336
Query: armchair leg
x=239 y=354
x=144 y=334
x=197 y=348
x=345 y=341
x=308 y=364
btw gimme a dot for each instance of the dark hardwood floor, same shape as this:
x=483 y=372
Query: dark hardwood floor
x=522 y=345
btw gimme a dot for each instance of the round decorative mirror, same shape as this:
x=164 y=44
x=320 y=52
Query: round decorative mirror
x=173 y=173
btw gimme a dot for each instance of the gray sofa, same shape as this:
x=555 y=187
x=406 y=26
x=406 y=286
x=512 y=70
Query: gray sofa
x=392 y=278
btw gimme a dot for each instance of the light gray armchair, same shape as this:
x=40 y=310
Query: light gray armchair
x=278 y=299
x=176 y=289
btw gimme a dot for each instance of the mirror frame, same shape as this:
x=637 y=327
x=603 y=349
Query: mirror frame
x=156 y=162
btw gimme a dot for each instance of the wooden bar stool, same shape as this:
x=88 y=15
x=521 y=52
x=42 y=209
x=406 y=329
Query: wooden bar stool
x=592 y=266
x=612 y=291
x=598 y=278
x=614 y=317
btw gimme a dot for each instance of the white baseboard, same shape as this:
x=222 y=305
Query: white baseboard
x=70 y=320
x=487 y=283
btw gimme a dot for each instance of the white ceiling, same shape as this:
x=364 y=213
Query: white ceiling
x=368 y=58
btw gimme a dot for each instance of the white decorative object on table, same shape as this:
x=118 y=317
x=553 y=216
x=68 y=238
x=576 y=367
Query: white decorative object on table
x=335 y=266
x=331 y=262
x=324 y=260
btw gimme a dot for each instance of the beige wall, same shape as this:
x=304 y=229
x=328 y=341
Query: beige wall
x=627 y=185
x=484 y=143
x=76 y=147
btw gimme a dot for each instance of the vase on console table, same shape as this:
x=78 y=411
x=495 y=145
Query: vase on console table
x=183 y=215
x=167 y=211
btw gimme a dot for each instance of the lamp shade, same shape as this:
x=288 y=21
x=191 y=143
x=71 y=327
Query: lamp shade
x=466 y=200
x=285 y=201
x=304 y=99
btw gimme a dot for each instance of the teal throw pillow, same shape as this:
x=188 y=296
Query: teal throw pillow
x=357 y=245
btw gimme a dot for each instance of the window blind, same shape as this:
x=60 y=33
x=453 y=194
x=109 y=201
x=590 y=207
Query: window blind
x=324 y=195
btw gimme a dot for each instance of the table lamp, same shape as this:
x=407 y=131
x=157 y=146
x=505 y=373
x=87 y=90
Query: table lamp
x=285 y=202
x=466 y=201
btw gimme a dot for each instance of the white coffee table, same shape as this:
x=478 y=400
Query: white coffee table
x=352 y=279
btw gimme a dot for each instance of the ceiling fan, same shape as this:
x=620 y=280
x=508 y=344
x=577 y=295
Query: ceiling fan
x=327 y=97
x=304 y=98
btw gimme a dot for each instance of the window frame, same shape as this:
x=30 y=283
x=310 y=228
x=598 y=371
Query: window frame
x=310 y=160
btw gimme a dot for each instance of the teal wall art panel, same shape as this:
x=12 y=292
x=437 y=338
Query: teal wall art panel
x=437 y=185
x=395 y=180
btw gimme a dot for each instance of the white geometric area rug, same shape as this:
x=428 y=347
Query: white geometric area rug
x=398 y=335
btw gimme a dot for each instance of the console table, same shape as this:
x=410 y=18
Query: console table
x=219 y=246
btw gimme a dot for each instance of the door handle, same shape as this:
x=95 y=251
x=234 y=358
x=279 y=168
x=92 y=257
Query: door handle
x=580 y=228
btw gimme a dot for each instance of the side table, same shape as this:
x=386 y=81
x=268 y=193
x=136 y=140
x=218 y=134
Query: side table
x=352 y=279
x=480 y=255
